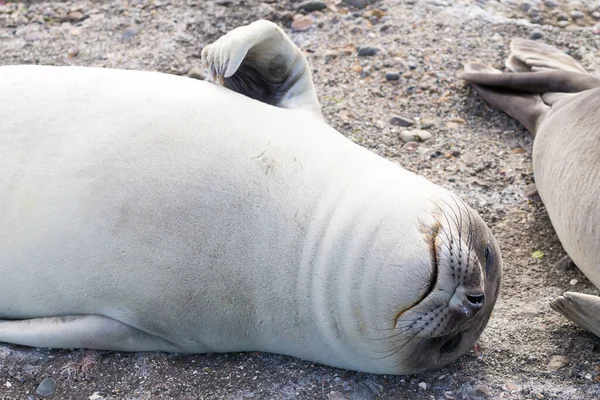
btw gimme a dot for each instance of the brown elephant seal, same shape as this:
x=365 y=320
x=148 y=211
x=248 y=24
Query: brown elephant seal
x=554 y=97
x=149 y=212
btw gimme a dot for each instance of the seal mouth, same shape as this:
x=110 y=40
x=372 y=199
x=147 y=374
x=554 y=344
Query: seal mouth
x=433 y=277
x=451 y=344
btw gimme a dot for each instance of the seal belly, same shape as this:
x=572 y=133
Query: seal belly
x=127 y=210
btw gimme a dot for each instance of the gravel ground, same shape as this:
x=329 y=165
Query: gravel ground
x=527 y=350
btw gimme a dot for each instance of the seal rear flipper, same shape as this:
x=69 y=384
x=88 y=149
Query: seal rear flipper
x=80 y=331
x=260 y=61
x=531 y=56
x=582 y=309
x=528 y=109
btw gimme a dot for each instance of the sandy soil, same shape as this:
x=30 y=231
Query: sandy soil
x=479 y=153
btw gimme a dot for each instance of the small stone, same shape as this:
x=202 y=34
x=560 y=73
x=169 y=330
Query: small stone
x=449 y=395
x=573 y=282
x=564 y=264
x=196 y=73
x=530 y=311
x=358 y=3
x=561 y=16
x=557 y=362
x=392 y=76
x=75 y=16
x=401 y=121
x=129 y=33
x=31 y=397
x=535 y=35
x=411 y=146
x=563 y=24
x=72 y=53
x=96 y=396
x=539 y=396
x=310 y=6
x=417 y=135
x=530 y=190
x=427 y=123
x=365 y=51
x=537 y=20
x=533 y=12
x=525 y=6
x=482 y=391
x=423 y=385
x=302 y=23
x=412 y=64
x=596 y=15
x=46 y=388
x=8 y=384
x=511 y=387
x=34 y=36
x=577 y=14
x=550 y=3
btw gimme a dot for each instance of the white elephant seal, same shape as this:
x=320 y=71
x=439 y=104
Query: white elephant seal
x=554 y=97
x=149 y=212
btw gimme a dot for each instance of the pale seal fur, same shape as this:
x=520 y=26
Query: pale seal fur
x=554 y=97
x=149 y=212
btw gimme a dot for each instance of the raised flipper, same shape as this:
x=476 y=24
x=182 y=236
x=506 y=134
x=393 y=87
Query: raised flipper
x=260 y=61
x=81 y=331
x=532 y=56
x=583 y=309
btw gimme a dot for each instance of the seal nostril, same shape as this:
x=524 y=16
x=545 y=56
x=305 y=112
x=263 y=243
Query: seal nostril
x=476 y=300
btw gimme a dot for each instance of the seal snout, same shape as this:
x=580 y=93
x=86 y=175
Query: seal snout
x=466 y=304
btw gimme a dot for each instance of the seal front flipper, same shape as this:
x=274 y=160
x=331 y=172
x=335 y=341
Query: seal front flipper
x=582 y=309
x=260 y=61
x=81 y=331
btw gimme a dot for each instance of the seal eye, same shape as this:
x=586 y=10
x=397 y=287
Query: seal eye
x=489 y=258
x=451 y=344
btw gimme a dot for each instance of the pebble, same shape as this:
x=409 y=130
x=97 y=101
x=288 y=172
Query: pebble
x=564 y=264
x=511 y=387
x=96 y=396
x=423 y=385
x=530 y=190
x=46 y=388
x=31 y=397
x=411 y=146
x=365 y=51
x=596 y=15
x=573 y=282
x=357 y=3
x=577 y=14
x=417 y=135
x=449 y=395
x=75 y=16
x=33 y=36
x=483 y=391
x=550 y=3
x=72 y=53
x=129 y=33
x=557 y=362
x=561 y=16
x=537 y=20
x=196 y=73
x=401 y=121
x=535 y=35
x=310 y=6
x=427 y=123
x=412 y=64
x=563 y=24
x=392 y=76
x=302 y=23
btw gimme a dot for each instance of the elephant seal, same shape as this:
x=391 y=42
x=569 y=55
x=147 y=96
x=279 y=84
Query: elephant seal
x=554 y=97
x=149 y=212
